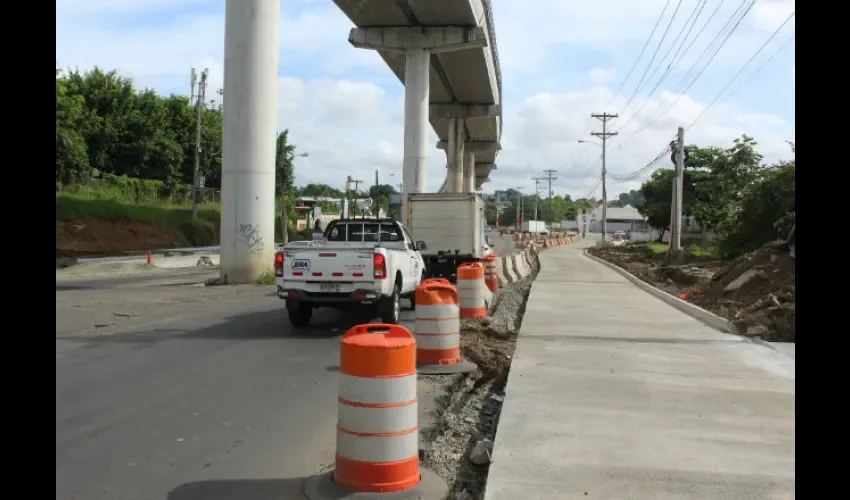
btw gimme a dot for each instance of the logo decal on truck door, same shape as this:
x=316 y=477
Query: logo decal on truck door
x=301 y=264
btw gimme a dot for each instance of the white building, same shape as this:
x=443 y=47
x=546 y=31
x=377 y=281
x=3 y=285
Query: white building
x=619 y=219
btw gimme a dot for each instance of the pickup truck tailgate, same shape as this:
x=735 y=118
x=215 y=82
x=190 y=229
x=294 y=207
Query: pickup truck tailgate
x=345 y=265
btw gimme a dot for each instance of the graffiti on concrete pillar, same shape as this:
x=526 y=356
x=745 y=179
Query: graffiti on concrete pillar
x=250 y=235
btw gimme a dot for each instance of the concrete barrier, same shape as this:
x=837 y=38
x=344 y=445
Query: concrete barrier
x=503 y=277
x=520 y=266
x=510 y=269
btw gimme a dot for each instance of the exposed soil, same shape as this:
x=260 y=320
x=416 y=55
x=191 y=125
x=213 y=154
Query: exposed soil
x=98 y=237
x=460 y=446
x=755 y=292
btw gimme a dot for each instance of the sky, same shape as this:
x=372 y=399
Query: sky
x=561 y=61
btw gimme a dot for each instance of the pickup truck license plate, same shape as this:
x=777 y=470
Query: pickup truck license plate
x=329 y=287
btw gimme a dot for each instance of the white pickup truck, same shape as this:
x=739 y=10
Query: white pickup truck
x=361 y=263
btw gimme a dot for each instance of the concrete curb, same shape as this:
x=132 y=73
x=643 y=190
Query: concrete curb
x=500 y=272
x=696 y=312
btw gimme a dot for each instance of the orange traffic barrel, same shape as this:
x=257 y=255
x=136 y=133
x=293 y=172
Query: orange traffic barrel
x=377 y=443
x=491 y=278
x=377 y=440
x=438 y=330
x=441 y=281
x=470 y=288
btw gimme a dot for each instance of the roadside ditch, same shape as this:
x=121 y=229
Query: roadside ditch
x=459 y=446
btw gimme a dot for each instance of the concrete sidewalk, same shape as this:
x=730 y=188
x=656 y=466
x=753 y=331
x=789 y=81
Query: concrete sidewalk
x=615 y=395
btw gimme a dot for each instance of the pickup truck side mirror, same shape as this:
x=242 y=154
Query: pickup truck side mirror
x=420 y=245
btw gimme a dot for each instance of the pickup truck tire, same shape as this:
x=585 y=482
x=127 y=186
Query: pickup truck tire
x=390 y=308
x=300 y=314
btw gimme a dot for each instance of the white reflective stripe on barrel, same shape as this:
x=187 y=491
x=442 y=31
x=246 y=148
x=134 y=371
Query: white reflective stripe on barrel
x=377 y=448
x=388 y=390
x=426 y=342
x=442 y=312
x=437 y=326
x=365 y=420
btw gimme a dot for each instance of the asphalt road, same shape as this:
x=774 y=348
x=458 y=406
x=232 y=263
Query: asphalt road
x=190 y=393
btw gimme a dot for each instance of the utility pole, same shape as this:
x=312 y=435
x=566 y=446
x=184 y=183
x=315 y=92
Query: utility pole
x=550 y=176
x=676 y=221
x=519 y=210
x=604 y=117
x=201 y=98
x=537 y=183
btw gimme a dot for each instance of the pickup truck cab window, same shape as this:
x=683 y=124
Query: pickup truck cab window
x=391 y=233
x=338 y=233
x=370 y=233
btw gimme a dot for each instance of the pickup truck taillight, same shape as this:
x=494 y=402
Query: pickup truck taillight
x=380 y=264
x=278 y=264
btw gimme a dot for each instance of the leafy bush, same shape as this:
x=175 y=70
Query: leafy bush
x=766 y=213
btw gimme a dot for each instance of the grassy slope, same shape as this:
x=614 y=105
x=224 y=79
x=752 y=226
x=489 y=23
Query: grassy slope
x=203 y=231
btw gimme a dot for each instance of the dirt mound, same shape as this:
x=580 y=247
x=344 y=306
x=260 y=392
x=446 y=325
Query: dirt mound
x=651 y=266
x=488 y=345
x=756 y=293
x=94 y=237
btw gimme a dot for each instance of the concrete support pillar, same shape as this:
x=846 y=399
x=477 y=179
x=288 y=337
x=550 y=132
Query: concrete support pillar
x=455 y=156
x=250 y=122
x=469 y=172
x=417 y=87
x=417 y=43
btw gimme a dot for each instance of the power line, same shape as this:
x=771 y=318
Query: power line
x=760 y=67
x=682 y=56
x=740 y=71
x=725 y=35
x=645 y=45
x=697 y=9
x=652 y=59
x=639 y=172
x=590 y=191
x=689 y=25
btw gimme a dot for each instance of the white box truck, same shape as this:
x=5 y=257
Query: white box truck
x=534 y=226
x=452 y=227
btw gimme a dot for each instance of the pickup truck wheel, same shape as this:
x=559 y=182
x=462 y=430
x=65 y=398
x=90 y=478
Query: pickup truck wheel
x=413 y=294
x=391 y=310
x=300 y=314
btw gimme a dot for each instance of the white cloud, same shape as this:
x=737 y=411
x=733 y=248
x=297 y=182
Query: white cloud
x=769 y=15
x=602 y=75
x=342 y=106
x=545 y=132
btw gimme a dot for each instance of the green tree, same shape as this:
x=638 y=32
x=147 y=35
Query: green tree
x=322 y=190
x=103 y=123
x=657 y=197
x=767 y=212
x=381 y=196
x=632 y=198
x=284 y=178
x=72 y=159
x=730 y=172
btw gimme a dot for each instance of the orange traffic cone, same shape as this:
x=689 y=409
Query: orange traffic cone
x=150 y=258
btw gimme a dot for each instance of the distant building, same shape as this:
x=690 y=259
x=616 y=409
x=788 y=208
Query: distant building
x=619 y=219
